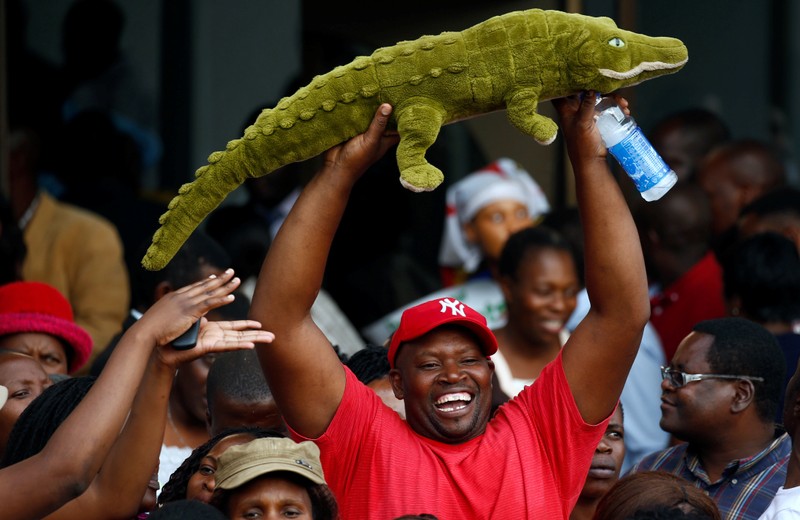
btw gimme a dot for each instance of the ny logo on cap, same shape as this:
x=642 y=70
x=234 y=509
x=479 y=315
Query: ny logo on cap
x=455 y=306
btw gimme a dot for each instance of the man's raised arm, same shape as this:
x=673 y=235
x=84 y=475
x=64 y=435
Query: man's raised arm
x=600 y=351
x=303 y=371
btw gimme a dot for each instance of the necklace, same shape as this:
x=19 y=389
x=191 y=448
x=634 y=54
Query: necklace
x=174 y=428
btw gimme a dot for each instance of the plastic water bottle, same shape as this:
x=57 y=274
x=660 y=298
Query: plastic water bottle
x=626 y=142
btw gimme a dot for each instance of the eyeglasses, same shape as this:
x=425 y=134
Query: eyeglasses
x=680 y=379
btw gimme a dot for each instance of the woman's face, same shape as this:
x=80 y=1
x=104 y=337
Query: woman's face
x=544 y=294
x=202 y=484
x=269 y=498
x=25 y=380
x=494 y=223
x=44 y=348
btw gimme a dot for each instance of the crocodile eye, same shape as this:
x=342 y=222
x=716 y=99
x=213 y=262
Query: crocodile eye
x=616 y=42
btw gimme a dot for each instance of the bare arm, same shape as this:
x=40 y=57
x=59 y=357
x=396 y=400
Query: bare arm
x=602 y=348
x=303 y=371
x=120 y=485
x=73 y=456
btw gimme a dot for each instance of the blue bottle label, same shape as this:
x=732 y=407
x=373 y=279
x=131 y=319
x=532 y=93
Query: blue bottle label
x=640 y=160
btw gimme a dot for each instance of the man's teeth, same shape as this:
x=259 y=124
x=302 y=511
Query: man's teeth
x=460 y=400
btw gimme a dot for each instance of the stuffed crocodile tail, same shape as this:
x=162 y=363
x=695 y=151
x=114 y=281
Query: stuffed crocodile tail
x=510 y=62
x=266 y=146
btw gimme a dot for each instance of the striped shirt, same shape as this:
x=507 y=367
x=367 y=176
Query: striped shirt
x=747 y=485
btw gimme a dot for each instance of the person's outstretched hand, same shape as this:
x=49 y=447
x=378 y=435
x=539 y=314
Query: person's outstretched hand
x=174 y=313
x=359 y=153
x=577 y=122
x=215 y=337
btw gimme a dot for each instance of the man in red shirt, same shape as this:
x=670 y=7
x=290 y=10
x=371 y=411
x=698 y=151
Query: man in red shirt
x=686 y=277
x=449 y=459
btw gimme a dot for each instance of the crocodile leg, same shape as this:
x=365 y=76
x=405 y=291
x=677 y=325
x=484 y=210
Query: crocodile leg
x=419 y=121
x=521 y=111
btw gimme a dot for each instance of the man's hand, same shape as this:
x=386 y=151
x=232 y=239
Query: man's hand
x=353 y=157
x=577 y=121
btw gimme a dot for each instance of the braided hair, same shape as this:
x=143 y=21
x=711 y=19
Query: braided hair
x=176 y=487
x=370 y=363
x=43 y=416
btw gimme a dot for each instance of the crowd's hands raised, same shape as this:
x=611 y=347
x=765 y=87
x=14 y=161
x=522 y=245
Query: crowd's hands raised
x=577 y=122
x=116 y=490
x=173 y=314
x=216 y=337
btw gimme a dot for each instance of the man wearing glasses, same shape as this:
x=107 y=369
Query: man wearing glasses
x=719 y=395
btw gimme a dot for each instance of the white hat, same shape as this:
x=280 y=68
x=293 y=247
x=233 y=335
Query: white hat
x=501 y=180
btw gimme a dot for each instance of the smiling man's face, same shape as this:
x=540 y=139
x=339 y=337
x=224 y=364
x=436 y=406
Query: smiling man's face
x=698 y=410
x=446 y=383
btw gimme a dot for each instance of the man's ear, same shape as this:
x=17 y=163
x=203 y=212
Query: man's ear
x=744 y=395
x=396 y=380
x=795 y=410
x=208 y=421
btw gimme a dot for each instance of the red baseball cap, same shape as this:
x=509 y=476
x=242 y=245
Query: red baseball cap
x=38 y=307
x=423 y=318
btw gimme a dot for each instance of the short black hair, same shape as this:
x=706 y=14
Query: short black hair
x=782 y=201
x=199 y=250
x=370 y=363
x=526 y=240
x=763 y=271
x=238 y=376
x=743 y=347
x=667 y=512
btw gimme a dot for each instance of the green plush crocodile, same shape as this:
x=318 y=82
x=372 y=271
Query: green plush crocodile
x=510 y=62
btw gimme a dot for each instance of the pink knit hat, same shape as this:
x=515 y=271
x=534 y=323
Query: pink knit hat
x=38 y=307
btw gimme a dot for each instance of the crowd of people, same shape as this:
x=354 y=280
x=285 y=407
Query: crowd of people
x=612 y=360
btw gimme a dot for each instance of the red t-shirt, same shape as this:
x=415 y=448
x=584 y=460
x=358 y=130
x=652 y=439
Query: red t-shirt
x=530 y=463
x=694 y=297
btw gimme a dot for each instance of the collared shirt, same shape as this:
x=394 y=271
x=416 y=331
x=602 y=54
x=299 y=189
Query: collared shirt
x=747 y=486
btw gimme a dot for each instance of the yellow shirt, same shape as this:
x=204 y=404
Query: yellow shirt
x=80 y=254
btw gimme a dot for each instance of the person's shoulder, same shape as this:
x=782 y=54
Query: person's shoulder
x=665 y=460
x=75 y=216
